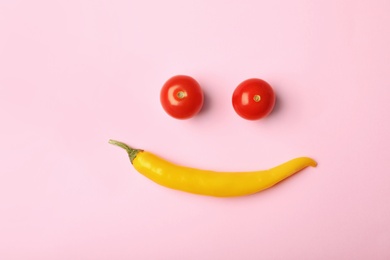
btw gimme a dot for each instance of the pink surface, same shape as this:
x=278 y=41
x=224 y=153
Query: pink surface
x=74 y=74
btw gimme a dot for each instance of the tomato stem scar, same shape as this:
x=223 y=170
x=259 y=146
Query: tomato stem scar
x=180 y=94
x=256 y=98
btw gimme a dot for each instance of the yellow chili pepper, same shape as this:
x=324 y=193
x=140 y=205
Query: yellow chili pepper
x=212 y=183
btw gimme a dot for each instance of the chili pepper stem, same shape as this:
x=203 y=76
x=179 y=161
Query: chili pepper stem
x=130 y=151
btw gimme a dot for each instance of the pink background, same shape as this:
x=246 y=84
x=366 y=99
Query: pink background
x=74 y=74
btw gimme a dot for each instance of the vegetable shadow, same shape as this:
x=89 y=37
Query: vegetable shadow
x=278 y=104
x=206 y=103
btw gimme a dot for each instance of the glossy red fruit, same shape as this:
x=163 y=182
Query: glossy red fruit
x=181 y=97
x=253 y=99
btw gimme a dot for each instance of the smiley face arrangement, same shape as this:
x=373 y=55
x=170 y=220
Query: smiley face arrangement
x=182 y=98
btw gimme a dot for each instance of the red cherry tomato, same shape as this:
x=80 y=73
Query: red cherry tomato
x=253 y=99
x=181 y=97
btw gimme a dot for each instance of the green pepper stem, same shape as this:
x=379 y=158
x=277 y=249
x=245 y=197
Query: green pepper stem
x=130 y=151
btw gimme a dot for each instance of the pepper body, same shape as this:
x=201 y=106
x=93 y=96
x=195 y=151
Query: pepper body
x=212 y=183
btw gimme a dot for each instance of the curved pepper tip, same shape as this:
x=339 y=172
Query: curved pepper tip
x=312 y=162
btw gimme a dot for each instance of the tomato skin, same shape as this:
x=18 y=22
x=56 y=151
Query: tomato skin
x=181 y=97
x=253 y=99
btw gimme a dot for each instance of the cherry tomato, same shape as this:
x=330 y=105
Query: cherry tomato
x=253 y=99
x=181 y=97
